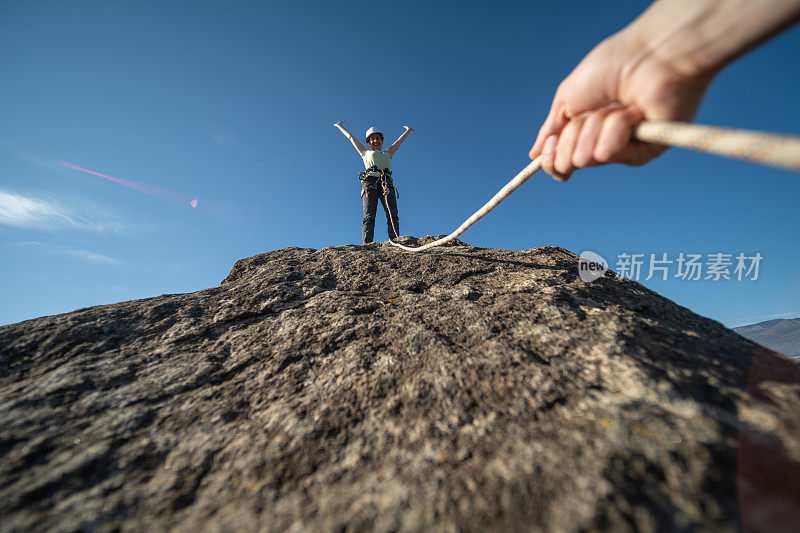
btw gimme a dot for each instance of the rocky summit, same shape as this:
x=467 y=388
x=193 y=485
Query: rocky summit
x=365 y=388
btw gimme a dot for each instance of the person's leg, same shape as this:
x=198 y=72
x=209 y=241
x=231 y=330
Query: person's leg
x=391 y=214
x=369 y=202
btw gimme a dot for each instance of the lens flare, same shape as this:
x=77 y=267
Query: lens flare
x=167 y=195
x=227 y=213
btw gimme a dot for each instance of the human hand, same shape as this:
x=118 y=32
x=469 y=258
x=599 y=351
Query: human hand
x=409 y=128
x=339 y=123
x=621 y=82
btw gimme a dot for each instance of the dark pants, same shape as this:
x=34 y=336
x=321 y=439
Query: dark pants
x=370 y=194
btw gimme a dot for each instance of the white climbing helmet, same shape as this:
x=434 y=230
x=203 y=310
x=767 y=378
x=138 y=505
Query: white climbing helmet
x=371 y=131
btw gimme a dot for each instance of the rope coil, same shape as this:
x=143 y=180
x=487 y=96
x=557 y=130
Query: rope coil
x=759 y=147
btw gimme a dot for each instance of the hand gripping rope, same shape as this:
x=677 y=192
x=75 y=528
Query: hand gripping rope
x=768 y=149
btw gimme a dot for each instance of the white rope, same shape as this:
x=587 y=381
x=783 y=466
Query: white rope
x=510 y=187
x=766 y=148
x=758 y=147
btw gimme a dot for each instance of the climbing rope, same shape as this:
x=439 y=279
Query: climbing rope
x=768 y=149
x=387 y=188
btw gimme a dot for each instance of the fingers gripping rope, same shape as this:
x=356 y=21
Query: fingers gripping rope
x=759 y=147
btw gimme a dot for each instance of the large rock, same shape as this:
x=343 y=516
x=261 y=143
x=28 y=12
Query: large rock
x=362 y=387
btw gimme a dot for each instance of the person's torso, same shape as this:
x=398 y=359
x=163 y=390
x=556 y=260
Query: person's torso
x=374 y=158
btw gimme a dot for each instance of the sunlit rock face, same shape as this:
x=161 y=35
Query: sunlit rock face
x=366 y=388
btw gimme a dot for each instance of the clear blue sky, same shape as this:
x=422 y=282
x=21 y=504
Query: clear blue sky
x=232 y=104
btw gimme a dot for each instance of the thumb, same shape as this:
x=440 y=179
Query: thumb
x=553 y=124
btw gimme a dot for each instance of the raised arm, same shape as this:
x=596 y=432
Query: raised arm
x=359 y=147
x=399 y=141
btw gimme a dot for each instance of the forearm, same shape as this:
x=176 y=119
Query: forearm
x=356 y=144
x=345 y=132
x=700 y=37
x=400 y=140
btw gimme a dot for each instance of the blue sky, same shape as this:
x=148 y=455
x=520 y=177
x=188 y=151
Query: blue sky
x=232 y=104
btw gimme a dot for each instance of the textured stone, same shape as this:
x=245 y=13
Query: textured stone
x=362 y=387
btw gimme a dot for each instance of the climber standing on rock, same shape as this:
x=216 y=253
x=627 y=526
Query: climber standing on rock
x=376 y=180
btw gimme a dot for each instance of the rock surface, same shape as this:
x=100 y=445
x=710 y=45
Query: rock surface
x=362 y=387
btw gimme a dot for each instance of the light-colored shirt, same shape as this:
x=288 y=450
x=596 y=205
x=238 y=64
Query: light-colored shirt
x=378 y=159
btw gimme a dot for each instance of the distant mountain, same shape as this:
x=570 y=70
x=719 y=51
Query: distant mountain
x=781 y=335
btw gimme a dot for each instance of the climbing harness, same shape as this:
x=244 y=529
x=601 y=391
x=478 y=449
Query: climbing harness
x=384 y=184
x=759 y=147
